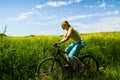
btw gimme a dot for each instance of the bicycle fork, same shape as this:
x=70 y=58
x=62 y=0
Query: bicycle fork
x=53 y=63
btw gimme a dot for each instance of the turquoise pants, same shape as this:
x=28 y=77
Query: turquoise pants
x=73 y=48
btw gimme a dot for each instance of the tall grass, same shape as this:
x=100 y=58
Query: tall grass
x=19 y=56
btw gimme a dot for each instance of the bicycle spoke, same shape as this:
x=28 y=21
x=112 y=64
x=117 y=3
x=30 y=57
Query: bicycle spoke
x=91 y=66
x=50 y=69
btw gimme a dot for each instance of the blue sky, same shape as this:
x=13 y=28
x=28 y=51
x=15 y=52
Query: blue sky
x=35 y=17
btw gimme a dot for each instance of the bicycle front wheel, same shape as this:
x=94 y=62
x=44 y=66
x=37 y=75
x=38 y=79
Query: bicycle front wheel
x=50 y=69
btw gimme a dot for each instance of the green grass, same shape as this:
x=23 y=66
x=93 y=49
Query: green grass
x=19 y=56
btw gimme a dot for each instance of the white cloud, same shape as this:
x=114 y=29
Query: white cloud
x=111 y=23
x=93 y=15
x=40 y=6
x=35 y=11
x=110 y=13
x=102 y=5
x=105 y=24
x=90 y=6
x=111 y=5
x=77 y=1
x=52 y=17
x=57 y=3
x=22 y=16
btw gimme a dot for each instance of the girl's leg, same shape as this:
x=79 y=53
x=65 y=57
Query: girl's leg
x=75 y=49
x=68 y=49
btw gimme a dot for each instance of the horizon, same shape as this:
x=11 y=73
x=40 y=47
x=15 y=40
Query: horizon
x=58 y=34
x=44 y=17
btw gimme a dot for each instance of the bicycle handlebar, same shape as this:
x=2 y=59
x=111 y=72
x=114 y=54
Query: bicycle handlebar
x=56 y=45
x=58 y=48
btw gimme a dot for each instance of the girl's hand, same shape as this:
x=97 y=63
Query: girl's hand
x=56 y=44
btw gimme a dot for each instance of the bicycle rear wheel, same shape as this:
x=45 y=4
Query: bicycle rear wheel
x=91 y=66
x=50 y=69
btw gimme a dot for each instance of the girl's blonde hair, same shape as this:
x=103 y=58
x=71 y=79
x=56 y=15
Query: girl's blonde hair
x=65 y=22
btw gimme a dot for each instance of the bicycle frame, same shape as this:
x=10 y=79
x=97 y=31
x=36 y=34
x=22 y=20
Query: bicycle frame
x=60 y=52
x=55 y=66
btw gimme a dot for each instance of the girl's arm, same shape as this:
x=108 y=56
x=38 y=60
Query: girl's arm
x=66 y=37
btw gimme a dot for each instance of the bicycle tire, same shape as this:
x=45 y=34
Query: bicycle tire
x=92 y=66
x=50 y=69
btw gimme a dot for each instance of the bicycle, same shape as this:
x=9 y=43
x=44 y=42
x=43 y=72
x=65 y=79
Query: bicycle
x=51 y=68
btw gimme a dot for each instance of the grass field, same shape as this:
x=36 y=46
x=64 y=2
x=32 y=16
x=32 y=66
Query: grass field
x=19 y=56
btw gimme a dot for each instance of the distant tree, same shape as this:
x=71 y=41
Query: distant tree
x=4 y=31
